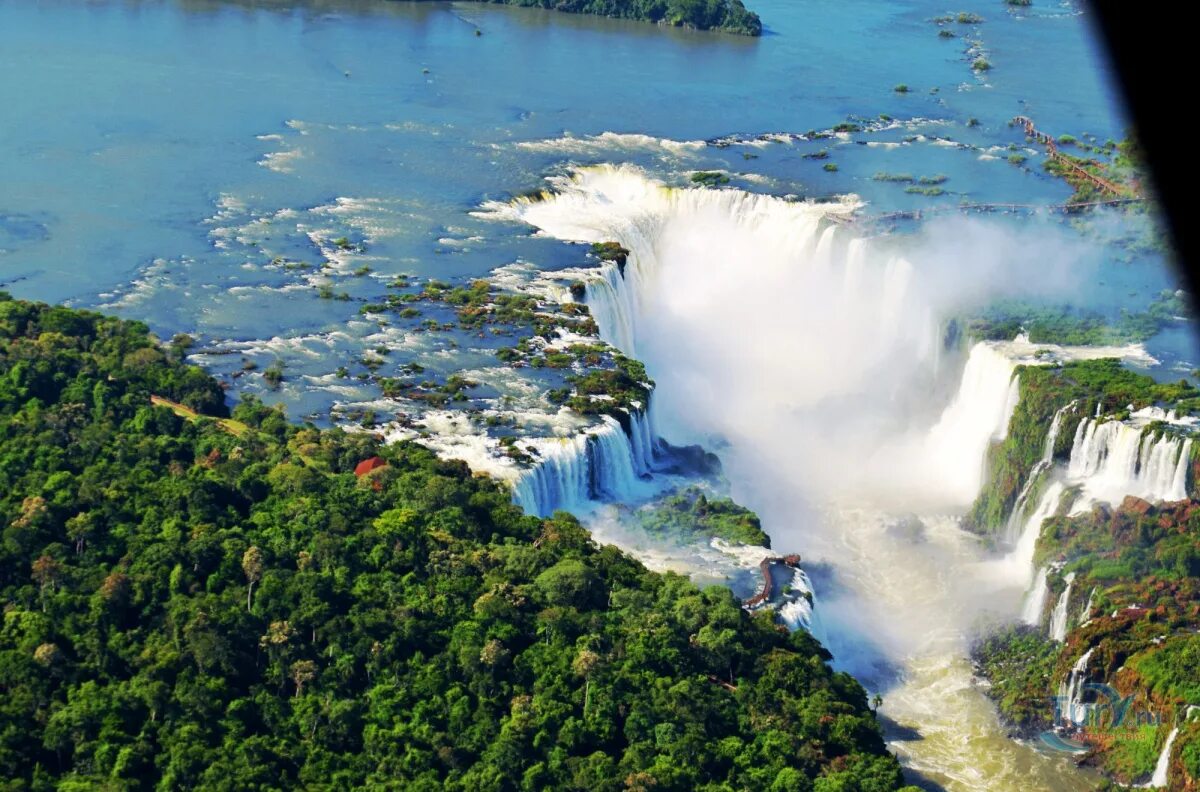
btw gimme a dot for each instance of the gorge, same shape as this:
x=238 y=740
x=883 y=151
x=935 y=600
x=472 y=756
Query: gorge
x=611 y=312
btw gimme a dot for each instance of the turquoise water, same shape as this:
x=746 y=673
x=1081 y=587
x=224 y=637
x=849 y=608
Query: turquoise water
x=168 y=160
x=137 y=130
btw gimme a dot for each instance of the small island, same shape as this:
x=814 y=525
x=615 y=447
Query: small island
x=727 y=16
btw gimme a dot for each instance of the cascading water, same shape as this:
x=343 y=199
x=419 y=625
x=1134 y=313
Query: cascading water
x=1072 y=710
x=1011 y=529
x=1021 y=558
x=1114 y=459
x=798 y=612
x=597 y=464
x=1086 y=614
x=612 y=306
x=611 y=458
x=1035 y=600
x=806 y=357
x=1163 y=765
x=1056 y=428
x=560 y=479
x=1058 y=619
x=641 y=438
x=986 y=398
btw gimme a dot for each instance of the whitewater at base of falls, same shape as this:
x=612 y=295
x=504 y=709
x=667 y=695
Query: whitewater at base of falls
x=806 y=356
x=922 y=582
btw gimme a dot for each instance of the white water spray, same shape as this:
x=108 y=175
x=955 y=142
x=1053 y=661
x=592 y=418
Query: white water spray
x=806 y=357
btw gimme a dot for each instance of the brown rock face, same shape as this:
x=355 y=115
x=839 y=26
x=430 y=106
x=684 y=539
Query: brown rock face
x=1136 y=505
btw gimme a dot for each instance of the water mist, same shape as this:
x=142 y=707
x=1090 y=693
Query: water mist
x=812 y=361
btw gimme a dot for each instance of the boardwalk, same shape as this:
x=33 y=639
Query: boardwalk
x=917 y=214
x=1083 y=173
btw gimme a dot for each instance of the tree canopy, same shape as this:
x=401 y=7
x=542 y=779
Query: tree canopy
x=220 y=603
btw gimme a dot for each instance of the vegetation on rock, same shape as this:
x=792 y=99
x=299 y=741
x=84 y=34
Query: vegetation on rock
x=1045 y=389
x=729 y=16
x=690 y=512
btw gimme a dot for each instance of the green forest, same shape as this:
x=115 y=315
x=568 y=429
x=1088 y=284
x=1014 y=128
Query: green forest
x=199 y=599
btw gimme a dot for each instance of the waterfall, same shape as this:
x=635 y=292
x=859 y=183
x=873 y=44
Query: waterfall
x=612 y=306
x=801 y=354
x=1070 y=694
x=610 y=455
x=978 y=415
x=1039 y=467
x=797 y=612
x=1055 y=428
x=641 y=437
x=1159 y=779
x=1021 y=558
x=706 y=267
x=1058 y=619
x=1014 y=517
x=560 y=480
x=1113 y=459
x=597 y=464
x=1035 y=600
x=1085 y=614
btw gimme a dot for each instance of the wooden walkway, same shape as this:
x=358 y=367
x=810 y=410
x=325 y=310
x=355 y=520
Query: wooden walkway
x=917 y=214
x=1053 y=152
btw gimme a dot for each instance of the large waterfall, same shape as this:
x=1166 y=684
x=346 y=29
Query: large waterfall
x=812 y=361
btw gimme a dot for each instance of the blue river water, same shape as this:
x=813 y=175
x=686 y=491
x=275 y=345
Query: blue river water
x=168 y=159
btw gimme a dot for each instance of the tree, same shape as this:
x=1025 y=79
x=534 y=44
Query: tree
x=252 y=566
x=303 y=672
x=46 y=571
